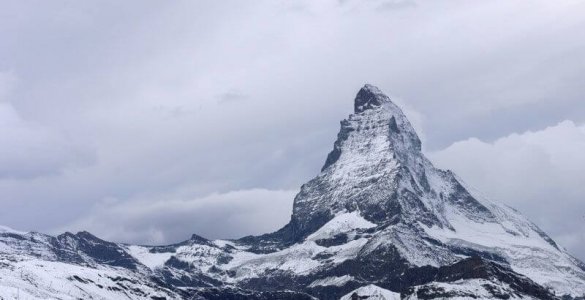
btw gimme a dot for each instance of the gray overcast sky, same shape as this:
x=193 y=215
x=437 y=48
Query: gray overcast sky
x=146 y=121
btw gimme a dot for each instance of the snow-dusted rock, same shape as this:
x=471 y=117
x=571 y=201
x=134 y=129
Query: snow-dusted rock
x=465 y=290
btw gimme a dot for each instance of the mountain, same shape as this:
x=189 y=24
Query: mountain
x=379 y=221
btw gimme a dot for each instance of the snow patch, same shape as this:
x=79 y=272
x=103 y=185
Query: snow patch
x=342 y=223
x=373 y=292
x=329 y=281
x=151 y=260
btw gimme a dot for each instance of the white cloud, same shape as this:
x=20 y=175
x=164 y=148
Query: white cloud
x=175 y=216
x=540 y=173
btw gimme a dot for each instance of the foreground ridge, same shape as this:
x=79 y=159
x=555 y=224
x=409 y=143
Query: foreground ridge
x=379 y=220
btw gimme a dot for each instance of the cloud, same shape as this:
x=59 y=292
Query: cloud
x=539 y=173
x=118 y=100
x=231 y=96
x=174 y=217
x=30 y=150
x=396 y=4
x=7 y=83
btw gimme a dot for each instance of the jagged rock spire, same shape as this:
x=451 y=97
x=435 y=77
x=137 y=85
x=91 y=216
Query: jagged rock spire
x=376 y=117
x=376 y=151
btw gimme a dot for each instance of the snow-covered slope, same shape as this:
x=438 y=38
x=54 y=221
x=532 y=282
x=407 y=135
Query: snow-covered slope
x=26 y=278
x=465 y=290
x=371 y=292
x=80 y=266
x=379 y=213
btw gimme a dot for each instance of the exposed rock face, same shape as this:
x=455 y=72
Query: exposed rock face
x=379 y=213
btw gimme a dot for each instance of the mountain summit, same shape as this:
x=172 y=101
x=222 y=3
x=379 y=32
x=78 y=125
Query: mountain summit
x=379 y=220
x=369 y=97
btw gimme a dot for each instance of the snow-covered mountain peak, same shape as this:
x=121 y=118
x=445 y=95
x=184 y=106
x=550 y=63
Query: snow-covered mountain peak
x=377 y=172
x=377 y=153
x=377 y=130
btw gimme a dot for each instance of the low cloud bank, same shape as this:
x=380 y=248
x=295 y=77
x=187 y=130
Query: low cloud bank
x=175 y=217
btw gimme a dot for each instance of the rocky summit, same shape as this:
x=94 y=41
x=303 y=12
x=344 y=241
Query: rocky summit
x=378 y=222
